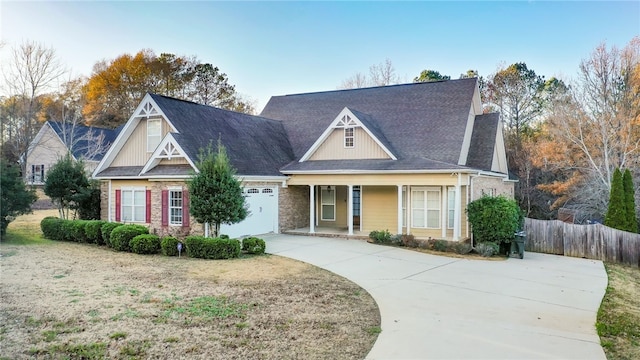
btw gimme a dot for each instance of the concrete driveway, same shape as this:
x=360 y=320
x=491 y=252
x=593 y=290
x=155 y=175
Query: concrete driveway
x=436 y=307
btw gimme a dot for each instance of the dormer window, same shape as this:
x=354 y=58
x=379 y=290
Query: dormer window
x=348 y=137
x=154 y=134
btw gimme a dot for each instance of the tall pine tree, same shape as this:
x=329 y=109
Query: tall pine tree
x=629 y=202
x=616 y=212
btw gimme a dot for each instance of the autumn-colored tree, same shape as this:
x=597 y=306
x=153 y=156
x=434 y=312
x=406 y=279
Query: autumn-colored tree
x=116 y=87
x=629 y=202
x=594 y=129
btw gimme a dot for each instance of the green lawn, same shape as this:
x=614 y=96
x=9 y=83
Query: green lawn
x=618 y=321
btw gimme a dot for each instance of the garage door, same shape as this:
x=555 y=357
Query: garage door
x=263 y=213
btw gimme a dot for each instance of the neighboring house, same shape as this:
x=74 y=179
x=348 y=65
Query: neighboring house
x=407 y=158
x=56 y=139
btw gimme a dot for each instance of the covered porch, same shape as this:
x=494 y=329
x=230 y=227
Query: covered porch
x=424 y=205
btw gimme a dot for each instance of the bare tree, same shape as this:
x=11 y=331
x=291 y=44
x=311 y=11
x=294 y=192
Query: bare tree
x=379 y=75
x=597 y=127
x=383 y=74
x=32 y=71
x=358 y=80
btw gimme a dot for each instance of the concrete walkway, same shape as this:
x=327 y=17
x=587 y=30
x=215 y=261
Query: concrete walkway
x=436 y=307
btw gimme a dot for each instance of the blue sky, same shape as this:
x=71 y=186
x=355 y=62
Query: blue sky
x=275 y=48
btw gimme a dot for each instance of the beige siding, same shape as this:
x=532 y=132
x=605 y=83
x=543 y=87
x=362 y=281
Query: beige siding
x=174 y=161
x=364 y=147
x=379 y=208
x=134 y=152
x=46 y=152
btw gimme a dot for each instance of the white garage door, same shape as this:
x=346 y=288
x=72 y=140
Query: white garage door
x=263 y=213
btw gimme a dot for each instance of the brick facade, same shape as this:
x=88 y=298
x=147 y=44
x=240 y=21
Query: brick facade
x=293 y=203
x=491 y=185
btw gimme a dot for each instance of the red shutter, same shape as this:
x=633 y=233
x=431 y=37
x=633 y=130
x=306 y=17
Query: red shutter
x=185 y=208
x=118 y=205
x=165 y=207
x=148 y=212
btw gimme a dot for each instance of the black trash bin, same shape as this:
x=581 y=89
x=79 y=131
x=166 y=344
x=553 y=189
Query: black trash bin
x=517 y=245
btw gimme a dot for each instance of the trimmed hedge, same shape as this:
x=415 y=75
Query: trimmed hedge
x=212 y=248
x=122 y=235
x=145 y=244
x=253 y=245
x=51 y=227
x=93 y=231
x=494 y=219
x=106 y=230
x=169 y=246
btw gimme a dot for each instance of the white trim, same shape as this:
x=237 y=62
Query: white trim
x=312 y=212
x=159 y=136
x=133 y=190
x=474 y=110
x=350 y=209
x=332 y=191
x=352 y=137
x=139 y=114
x=174 y=189
x=337 y=123
x=426 y=190
x=157 y=155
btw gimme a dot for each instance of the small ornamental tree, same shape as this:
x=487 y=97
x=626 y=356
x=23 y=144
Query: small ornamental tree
x=616 y=212
x=15 y=198
x=216 y=195
x=494 y=219
x=67 y=185
x=629 y=202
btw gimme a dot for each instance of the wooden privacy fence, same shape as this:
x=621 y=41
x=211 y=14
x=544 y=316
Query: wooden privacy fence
x=584 y=241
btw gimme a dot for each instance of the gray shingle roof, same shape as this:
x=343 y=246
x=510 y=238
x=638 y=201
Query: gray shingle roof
x=483 y=141
x=82 y=139
x=255 y=145
x=422 y=120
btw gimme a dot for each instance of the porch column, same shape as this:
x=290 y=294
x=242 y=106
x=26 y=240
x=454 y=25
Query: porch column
x=312 y=207
x=444 y=223
x=350 y=208
x=399 y=209
x=409 y=213
x=457 y=211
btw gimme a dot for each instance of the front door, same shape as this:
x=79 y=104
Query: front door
x=356 y=206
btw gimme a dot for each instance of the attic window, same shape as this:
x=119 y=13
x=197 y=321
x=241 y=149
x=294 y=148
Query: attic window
x=154 y=134
x=348 y=137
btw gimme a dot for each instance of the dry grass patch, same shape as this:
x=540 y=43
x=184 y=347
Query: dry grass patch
x=618 y=321
x=83 y=301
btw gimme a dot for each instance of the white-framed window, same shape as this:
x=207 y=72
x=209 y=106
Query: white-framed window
x=37 y=174
x=349 y=137
x=425 y=208
x=175 y=207
x=327 y=203
x=451 y=207
x=134 y=204
x=154 y=134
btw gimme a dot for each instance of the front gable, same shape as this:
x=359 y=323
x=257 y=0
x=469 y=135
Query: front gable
x=131 y=147
x=348 y=138
x=169 y=152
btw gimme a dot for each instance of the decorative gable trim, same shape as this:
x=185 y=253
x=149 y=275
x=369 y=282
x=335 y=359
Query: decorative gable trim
x=345 y=119
x=146 y=109
x=168 y=149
